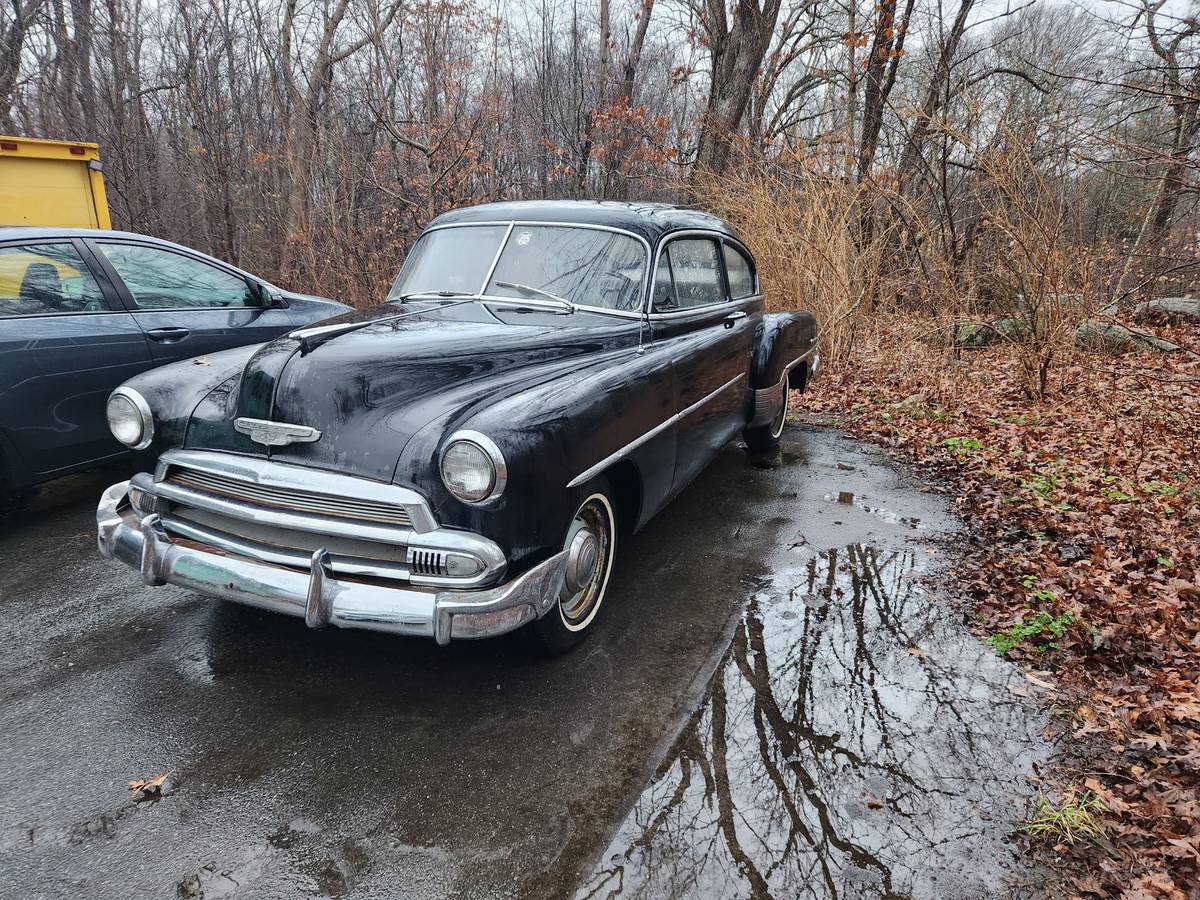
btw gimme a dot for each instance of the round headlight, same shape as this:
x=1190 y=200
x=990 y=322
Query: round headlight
x=473 y=468
x=129 y=418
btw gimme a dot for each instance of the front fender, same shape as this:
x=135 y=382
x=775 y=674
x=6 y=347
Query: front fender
x=175 y=390
x=550 y=432
x=784 y=346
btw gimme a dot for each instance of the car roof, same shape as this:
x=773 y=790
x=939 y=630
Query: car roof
x=651 y=221
x=48 y=232
x=45 y=232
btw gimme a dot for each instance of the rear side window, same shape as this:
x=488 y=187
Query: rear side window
x=161 y=279
x=740 y=272
x=46 y=279
x=697 y=272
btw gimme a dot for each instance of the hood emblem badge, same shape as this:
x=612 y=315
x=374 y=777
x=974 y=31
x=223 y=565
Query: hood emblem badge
x=276 y=434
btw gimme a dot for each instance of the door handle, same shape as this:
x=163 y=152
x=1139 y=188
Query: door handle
x=168 y=334
x=732 y=318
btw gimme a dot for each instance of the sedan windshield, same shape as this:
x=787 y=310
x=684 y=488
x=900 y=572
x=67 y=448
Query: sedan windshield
x=585 y=266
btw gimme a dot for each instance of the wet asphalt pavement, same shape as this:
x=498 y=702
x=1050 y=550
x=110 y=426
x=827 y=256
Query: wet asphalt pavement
x=773 y=705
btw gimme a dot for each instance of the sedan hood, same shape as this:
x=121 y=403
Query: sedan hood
x=369 y=391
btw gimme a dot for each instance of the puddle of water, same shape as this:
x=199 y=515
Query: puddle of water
x=849 y=498
x=853 y=743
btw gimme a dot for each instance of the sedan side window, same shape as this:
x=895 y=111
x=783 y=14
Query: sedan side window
x=45 y=279
x=697 y=271
x=161 y=279
x=740 y=272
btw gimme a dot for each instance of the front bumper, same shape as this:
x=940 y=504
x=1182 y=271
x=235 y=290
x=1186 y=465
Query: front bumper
x=316 y=595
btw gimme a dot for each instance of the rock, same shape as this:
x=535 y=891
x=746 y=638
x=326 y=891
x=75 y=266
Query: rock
x=1185 y=309
x=1109 y=337
x=977 y=335
x=971 y=335
x=1013 y=328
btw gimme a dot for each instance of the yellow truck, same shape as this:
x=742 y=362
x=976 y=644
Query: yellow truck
x=51 y=183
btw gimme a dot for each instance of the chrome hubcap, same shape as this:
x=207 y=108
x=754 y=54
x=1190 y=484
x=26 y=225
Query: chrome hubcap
x=588 y=546
x=582 y=556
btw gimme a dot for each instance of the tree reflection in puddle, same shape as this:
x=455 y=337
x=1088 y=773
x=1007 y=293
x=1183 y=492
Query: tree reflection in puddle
x=854 y=742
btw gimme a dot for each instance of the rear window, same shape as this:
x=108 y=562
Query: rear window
x=740 y=272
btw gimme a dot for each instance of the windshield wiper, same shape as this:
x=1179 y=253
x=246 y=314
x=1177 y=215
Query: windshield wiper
x=530 y=291
x=312 y=338
x=430 y=295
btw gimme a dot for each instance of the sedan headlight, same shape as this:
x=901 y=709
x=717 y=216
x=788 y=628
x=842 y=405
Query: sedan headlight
x=129 y=418
x=473 y=467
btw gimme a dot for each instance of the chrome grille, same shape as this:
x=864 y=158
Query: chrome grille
x=289 y=499
x=427 y=562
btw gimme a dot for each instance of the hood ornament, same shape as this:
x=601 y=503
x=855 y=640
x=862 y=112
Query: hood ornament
x=276 y=434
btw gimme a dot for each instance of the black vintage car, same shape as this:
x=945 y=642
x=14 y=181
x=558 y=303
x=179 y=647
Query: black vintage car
x=460 y=461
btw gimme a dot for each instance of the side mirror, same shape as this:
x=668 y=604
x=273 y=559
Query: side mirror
x=269 y=298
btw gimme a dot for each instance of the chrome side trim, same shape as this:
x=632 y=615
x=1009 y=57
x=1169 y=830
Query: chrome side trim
x=653 y=432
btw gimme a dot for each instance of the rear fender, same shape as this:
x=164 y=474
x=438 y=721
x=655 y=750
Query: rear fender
x=785 y=349
x=785 y=342
x=15 y=474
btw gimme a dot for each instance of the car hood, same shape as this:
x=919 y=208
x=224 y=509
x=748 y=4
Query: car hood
x=369 y=391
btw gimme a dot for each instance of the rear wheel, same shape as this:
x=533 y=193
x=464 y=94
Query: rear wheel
x=766 y=437
x=591 y=544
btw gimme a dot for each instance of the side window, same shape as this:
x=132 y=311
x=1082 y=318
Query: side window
x=40 y=279
x=160 y=279
x=664 y=289
x=697 y=271
x=740 y=272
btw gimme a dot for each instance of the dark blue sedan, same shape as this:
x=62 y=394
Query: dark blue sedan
x=83 y=310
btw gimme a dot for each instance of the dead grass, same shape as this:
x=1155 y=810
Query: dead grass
x=1070 y=822
x=809 y=248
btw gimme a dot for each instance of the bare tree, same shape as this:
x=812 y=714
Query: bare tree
x=736 y=48
x=14 y=27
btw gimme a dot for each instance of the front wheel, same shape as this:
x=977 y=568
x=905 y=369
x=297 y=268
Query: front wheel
x=591 y=545
x=766 y=437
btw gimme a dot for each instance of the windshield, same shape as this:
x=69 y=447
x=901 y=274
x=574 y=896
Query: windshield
x=586 y=266
x=451 y=259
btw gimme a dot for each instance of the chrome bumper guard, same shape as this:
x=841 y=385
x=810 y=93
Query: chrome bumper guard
x=316 y=595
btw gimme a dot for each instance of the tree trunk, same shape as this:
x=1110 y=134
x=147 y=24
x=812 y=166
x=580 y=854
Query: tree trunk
x=886 y=49
x=736 y=53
